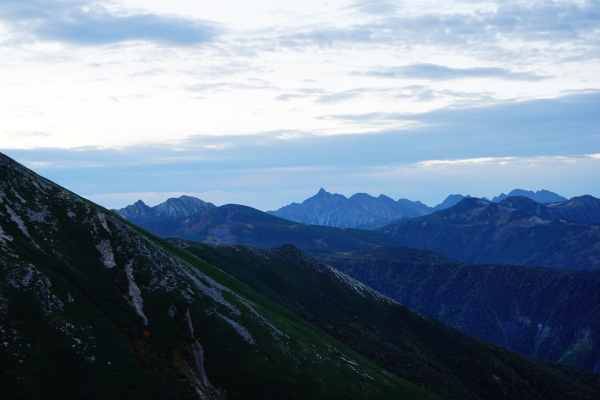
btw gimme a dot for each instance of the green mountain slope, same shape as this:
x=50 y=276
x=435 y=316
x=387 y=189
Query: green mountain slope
x=235 y=224
x=549 y=314
x=92 y=307
x=516 y=231
x=405 y=342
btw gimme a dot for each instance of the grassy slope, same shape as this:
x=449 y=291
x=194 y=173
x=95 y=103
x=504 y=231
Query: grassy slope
x=69 y=329
x=407 y=343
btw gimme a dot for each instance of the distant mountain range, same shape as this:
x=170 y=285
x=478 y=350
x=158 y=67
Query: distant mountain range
x=517 y=231
x=367 y=212
x=541 y=196
x=358 y=211
x=538 y=312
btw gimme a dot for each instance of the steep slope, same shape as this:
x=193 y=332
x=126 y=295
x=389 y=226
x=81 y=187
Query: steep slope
x=549 y=314
x=359 y=211
x=235 y=224
x=165 y=217
x=407 y=343
x=94 y=307
x=515 y=231
x=541 y=196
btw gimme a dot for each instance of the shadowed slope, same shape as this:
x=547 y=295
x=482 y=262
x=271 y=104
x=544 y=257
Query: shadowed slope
x=236 y=224
x=405 y=342
x=549 y=314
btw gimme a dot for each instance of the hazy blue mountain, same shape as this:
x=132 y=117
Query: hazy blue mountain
x=451 y=200
x=544 y=313
x=183 y=206
x=515 y=231
x=584 y=209
x=236 y=224
x=165 y=217
x=359 y=211
x=367 y=212
x=541 y=196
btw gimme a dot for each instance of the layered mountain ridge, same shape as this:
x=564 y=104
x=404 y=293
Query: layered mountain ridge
x=367 y=212
x=165 y=217
x=515 y=231
x=359 y=211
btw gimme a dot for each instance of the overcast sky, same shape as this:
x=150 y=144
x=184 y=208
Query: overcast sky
x=264 y=102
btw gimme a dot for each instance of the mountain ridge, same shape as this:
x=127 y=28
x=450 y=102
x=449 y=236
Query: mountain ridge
x=367 y=212
x=515 y=231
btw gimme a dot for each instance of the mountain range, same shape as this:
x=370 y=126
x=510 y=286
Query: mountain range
x=515 y=231
x=92 y=306
x=165 y=217
x=364 y=211
x=518 y=230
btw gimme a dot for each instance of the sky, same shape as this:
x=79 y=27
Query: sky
x=262 y=103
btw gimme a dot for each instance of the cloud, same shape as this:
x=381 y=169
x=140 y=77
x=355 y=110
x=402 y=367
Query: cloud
x=84 y=22
x=440 y=72
x=341 y=96
x=540 y=119
x=549 y=21
x=374 y=7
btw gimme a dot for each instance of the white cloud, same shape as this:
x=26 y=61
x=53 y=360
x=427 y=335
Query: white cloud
x=236 y=86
